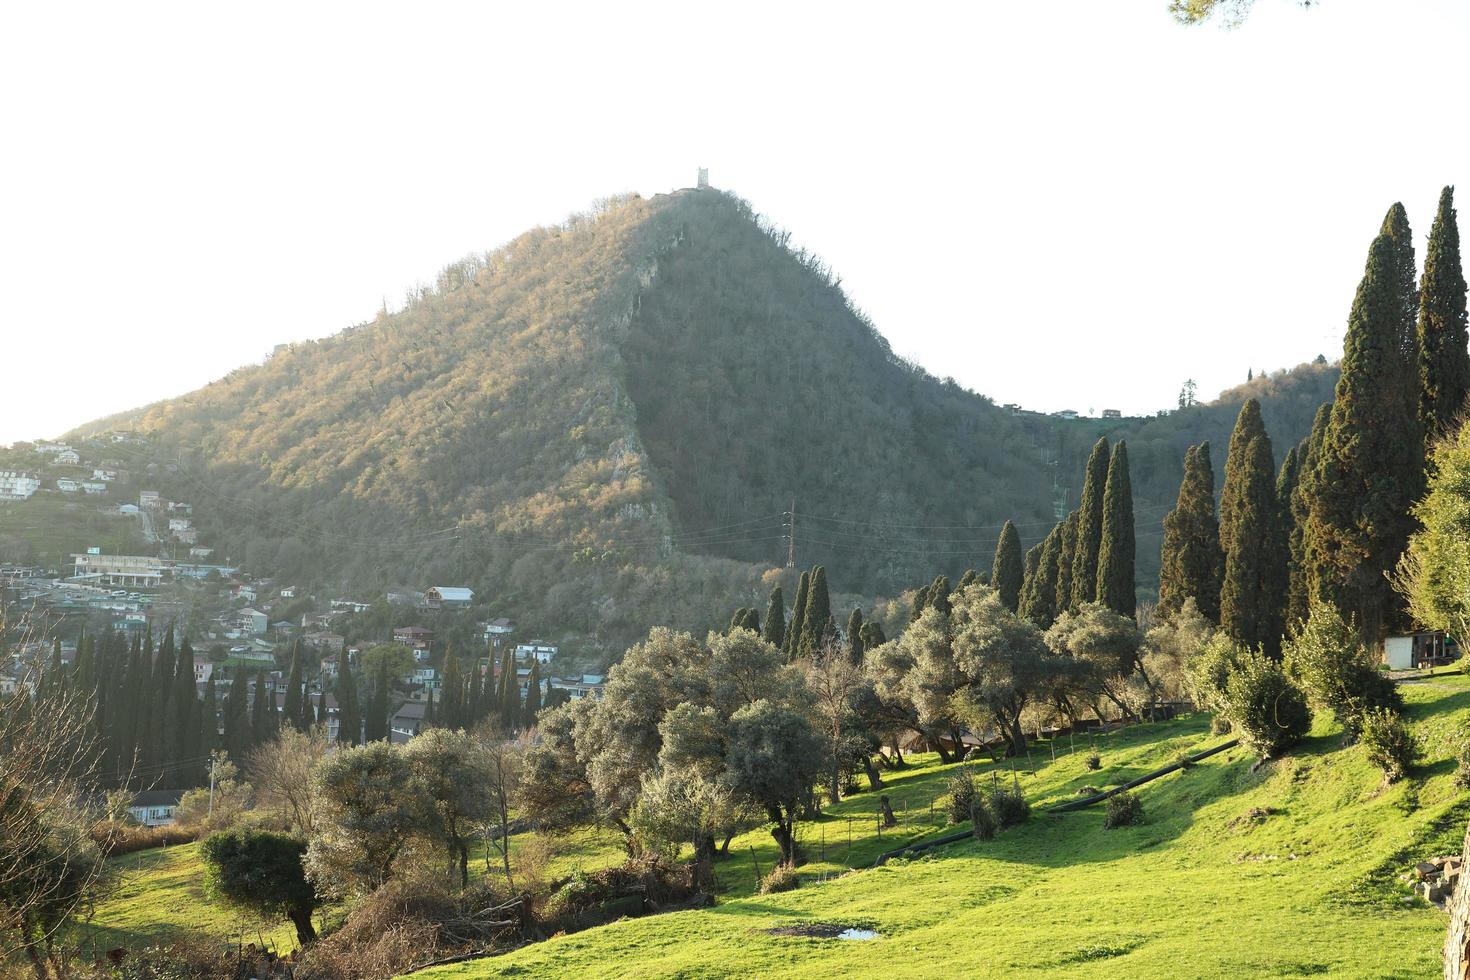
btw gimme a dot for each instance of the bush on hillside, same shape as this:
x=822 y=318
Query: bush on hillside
x=1094 y=762
x=961 y=797
x=1209 y=673
x=1389 y=743
x=1335 y=670
x=1124 y=810
x=1009 y=808
x=983 y=825
x=1268 y=711
x=782 y=878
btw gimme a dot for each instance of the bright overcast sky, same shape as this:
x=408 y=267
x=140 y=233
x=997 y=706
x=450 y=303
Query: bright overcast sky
x=1071 y=204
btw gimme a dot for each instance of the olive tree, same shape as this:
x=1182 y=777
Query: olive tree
x=450 y=785
x=261 y=873
x=368 y=819
x=774 y=758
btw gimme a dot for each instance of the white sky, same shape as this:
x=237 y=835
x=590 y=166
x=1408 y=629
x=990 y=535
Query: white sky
x=1070 y=204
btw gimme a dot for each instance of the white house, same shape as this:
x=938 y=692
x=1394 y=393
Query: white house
x=69 y=457
x=119 y=569
x=179 y=523
x=106 y=475
x=585 y=686
x=1419 y=650
x=17 y=485
x=449 y=597
x=243 y=591
x=68 y=486
x=155 y=807
x=148 y=499
x=541 y=652
x=252 y=620
x=203 y=668
x=93 y=487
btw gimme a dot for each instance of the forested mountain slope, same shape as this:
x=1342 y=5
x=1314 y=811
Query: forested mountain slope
x=602 y=425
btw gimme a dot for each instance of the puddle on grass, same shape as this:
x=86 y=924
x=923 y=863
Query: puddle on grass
x=825 y=930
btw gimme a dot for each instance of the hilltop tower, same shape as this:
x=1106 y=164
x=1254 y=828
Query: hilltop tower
x=703 y=183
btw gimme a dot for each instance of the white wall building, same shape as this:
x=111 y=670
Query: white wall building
x=17 y=485
x=120 y=569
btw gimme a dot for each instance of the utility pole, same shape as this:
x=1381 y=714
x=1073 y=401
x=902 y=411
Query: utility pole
x=211 y=784
x=791 y=536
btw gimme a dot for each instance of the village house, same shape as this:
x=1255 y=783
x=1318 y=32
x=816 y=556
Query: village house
x=179 y=507
x=18 y=485
x=199 y=552
x=66 y=485
x=155 y=807
x=240 y=590
x=350 y=605
x=414 y=636
x=104 y=474
x=94 y=487
x=179 y=523
x=540 y=652
x=324 y=640
x=289 y=592
x=407 y=721
x=250 y=620
x=148 y=499
x=68 y=457
x=585 y=686
x=130 y=570
x=449 y=597
x=495 y=630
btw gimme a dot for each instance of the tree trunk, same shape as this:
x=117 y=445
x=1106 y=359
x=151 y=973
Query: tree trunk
x=898 y=762
x=1016 y=737
x=464 y=864
x=936 y=745
x=834 y=779
x=873 y=777
x=305 y=931
x=704 y=859
x=725 y=847
x=888 y=819
x=1457 y=939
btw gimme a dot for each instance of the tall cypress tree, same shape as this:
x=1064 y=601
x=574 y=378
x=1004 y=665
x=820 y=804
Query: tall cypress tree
x=1296 y=589
x=939 y=594
x=376 y=727
x=752 y=621
x=451 y=712
x=510 y=694
x=1191 y=563
x=349 y=713
x=1030 y=565
x=1089 y=526
x=737 y=621
x=1246 y=599
x=1117 y=552
x=1007 y=569
x=1066 y=557
x=261 y=710
x=294 y=707
x=775 y=631
x=1444 y=361
x=855 y=648
x=798 y=616
x=873 y=635
x=1041 y=595
x=533 y=694
x=816 y=621
x=1248 y=427
x=1370 y=462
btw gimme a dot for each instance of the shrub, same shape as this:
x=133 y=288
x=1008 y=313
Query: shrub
x=259 y=872
x=1264 y=706
x=961 y=797
x=983 y=826
x=1462 y=770
x=1389 y=744
x=1334 y=669
x=1009 y=808
x=782 y=879
x=1124 y=810
x=1094 y=762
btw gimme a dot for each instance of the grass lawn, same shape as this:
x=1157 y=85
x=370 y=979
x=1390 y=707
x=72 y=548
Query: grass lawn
x=1201 y=889
x=159 y=894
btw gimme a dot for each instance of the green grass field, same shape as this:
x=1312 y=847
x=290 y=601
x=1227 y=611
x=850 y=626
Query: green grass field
x=1199 y=889
x=159 y=894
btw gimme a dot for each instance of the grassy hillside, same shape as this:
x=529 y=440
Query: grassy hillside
x=601 y=425
x=1282 y=872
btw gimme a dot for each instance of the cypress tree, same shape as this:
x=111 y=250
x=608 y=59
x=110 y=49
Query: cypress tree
x=737 y=621
x=1007 y=570
x=209 y=718
x=1089 y=526
x=349 y=715
x=451 y=712
x=376 y=727
x=261 y=728
x=510 y=694
x=1039 y=606
x=295 y=707
x=921 y=602
x=1191 y=563
x=1246 y=599
x=855 y=648
x=1117 y=551
x=753 y=621
x=1248 y=426
x=939 y=594
x=533 y=693
x=816 y=622
x=1030 y=565
x=873 y=635
x=1296 y=589
x=775 y=632
x=430 y=720
x=1444 y=361
x=1066 y=555
x=1370 y=463
x=966 y=580
x=798 y=616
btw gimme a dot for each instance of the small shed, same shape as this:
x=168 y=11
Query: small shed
x=1414 y=650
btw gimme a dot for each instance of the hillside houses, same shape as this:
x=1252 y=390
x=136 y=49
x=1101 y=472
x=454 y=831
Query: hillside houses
x=18 y=484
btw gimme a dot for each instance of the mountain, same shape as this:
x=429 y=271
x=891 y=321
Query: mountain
x=603 y=424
